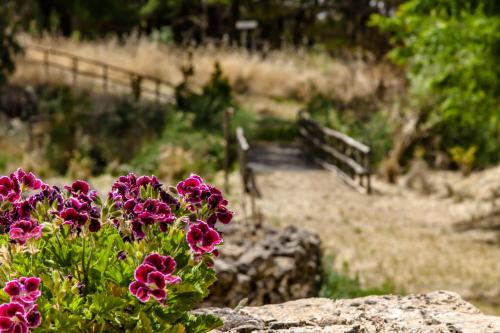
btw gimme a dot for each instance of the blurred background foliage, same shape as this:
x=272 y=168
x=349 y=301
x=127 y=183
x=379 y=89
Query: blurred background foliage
x=447 y=51
x=450 y=51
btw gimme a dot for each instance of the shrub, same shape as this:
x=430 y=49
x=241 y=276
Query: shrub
x=137 y=260
x=450 y=52
x=207 y=107
x=96 y=128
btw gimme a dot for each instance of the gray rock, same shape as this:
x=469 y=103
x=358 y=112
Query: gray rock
x=436 y=312
x=266 y=265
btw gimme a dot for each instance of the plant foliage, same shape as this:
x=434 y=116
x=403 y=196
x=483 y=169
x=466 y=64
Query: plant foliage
x=136 y=261
x=450 y=49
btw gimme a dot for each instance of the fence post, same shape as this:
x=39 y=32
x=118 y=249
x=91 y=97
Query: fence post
x=105 y=78
x=46 y=64
x=75 y=70
x=157 y=91
x=368 y=172
x=135 y=85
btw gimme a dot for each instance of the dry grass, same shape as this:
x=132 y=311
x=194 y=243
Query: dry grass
x=395 y=235
x=281 y=74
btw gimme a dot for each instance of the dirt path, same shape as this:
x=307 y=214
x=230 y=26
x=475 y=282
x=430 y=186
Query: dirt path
x=396 y=235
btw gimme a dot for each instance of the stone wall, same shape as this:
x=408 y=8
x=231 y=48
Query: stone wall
x=436 y=312
x=266 y=265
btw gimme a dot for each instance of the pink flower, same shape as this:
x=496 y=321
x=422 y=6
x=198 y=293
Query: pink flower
x=149 y=283
x=79 y=186
x=152 y=277
x=24 y=290
x=224 y=215
x=28 y=179
x=23 y=230
x=34 y=317
x=193 y=189
x=13 y=318
x=152 y=210
x=201 y=238
x=9 y=189
x=163 y=264
x=73 y=217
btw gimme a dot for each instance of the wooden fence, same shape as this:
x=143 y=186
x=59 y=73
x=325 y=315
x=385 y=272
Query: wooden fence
x=101 y=73
x=337 y=152
x=246 y=172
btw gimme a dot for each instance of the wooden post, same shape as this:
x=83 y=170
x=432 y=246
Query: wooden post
x=157 y=91
x=105 y=78
x=135 y=85
x=369 y=172
x=228 y=113
x=46 y=64
x=75 y=70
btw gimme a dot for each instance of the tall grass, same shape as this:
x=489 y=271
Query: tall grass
x=286 y=73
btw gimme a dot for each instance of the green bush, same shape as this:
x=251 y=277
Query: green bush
x=450 y=52
x=207 y=107
x=90 y=127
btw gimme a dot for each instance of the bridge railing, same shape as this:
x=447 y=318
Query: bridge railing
x=338 y=152
x=104 y=74
x=246 y=172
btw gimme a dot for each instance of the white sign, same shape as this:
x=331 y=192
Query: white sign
x=246 y=24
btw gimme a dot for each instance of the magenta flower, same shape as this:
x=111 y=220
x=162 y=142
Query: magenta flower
x=13 y=318
x=23 y=230
x=24 y=290
x=20 y=210
x=201 y=238
x=152 y=277
x=34 y=317
x=80 y=208
x=163 y=264
x=28 y=180
x=128 y=187
x=78 y=186
x=9 y=189
x=51 y=194
x=193 y=189
x=137 y=230
x=145 y=181
x=149 y=283
x=224 y=215
x=73 y=217
x=152 y=210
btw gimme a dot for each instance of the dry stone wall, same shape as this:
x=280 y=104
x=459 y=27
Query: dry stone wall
x=266 y=265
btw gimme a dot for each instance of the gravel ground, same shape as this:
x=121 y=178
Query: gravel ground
x=394 y=235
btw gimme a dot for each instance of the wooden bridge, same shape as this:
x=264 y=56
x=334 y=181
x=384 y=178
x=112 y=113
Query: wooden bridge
x=320 y=147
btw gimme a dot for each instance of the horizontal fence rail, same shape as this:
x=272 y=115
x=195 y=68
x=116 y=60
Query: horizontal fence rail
x=336 y=151
x=106 y=75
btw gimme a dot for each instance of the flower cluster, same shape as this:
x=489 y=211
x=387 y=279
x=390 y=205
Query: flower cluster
x=12 y=186
x=201 y=238
x=171 y=232
x=195 y=192
x=21 y=313
x=79 y=207
x=152 y=276
x=141 y=211
x=15 y=216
